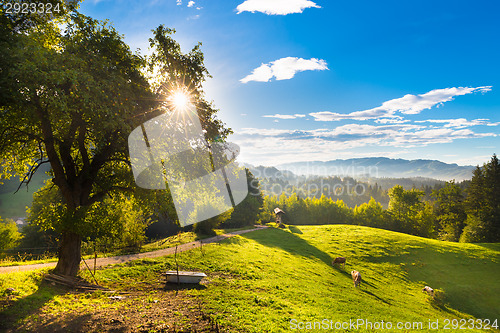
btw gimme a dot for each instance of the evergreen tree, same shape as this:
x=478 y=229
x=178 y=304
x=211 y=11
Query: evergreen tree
x=247 y=212
x=483 y=204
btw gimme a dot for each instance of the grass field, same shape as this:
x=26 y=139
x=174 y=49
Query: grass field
x=270 y=280
x=171 y=241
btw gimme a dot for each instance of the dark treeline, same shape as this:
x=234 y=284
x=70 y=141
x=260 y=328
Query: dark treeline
x=466 y=212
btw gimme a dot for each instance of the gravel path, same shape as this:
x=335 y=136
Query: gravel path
x=129 y=257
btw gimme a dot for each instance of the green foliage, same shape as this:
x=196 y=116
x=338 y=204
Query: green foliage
x=474 y=231
x=170 y=70
x=410 y=213
x=206 y=227
x=372 y=214
x=449 y=214
x=483 y=203
x=247 y=212
x=9 y=235
x=407 y=212
x=352 y=192
x=307 y=211
x=115 y=222
x=450 y=211
x=71 y=92
x=36 y=240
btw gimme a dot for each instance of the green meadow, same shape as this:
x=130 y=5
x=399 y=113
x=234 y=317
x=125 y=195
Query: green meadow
x=275 y=280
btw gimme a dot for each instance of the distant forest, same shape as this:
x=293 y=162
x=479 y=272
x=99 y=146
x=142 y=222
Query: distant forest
x=353 y=192
x=468 y=211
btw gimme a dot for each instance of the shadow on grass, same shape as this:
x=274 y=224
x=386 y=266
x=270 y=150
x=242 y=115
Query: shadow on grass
x=184 y=286
x=16 y=310
x=74 y=323
x=489 y=246
x=288 y=242
x=294 y=229
x=375 y=296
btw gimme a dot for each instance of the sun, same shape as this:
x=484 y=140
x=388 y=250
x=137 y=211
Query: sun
x=180 y=100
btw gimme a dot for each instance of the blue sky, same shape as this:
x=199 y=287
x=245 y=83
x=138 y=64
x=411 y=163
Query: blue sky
x=301 y=80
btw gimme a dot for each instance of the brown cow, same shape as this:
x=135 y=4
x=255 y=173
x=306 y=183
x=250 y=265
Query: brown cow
x=356 y=278
x=339 y=260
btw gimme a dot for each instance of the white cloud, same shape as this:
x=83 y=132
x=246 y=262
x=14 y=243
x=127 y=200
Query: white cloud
x=408 y=104
x=285 y=116
x=275 y=7
x=324 y=144
x=179 y=2
x=261 y=74
x=284 y=69
x=395 y=120
x=459 y=122
x=190 y=3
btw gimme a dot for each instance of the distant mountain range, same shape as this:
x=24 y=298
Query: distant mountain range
x=380 y=167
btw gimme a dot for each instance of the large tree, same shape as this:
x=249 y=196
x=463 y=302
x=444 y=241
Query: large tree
x=75 y=92
x=410 y=213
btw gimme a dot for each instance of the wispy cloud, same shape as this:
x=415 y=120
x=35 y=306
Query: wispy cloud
x=459 y=122
x=395 y=120
x=323 y=144
x=408 y=104
x=190 y=3
x=275 y=7
x=284 y=69
x=285 y=116
x=179 y=2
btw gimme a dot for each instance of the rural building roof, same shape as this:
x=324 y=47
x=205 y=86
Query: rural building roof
x=278 y=211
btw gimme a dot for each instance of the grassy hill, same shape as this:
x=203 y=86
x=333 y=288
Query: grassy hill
x=13 y=205
x=265 y=280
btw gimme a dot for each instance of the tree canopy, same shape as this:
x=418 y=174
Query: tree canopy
x=75 y=91
x=483 y=204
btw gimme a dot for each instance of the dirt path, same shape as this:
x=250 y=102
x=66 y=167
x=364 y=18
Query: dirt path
x=129 y=257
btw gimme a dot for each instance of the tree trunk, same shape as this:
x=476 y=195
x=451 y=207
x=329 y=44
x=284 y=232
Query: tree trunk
x=69 y=254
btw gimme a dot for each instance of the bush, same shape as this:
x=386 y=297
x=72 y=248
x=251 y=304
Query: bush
x=9 y=235
x=207 y=226
x=474 y=231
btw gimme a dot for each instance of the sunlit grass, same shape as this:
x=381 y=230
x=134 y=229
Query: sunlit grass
x=171 y=241
x=259 y=281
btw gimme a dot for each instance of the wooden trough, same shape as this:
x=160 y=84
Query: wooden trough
x=184 y=277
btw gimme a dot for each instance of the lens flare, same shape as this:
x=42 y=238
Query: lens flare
x=180 y=100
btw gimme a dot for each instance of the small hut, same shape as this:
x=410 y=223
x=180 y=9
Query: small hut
x=279 y=216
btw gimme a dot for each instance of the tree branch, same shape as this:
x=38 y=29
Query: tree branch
x=81 y=146
x=55 y=163
x=30 y=175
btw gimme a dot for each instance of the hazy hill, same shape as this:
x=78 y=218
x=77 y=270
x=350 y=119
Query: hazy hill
x=13 y=205
x=379 y=167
